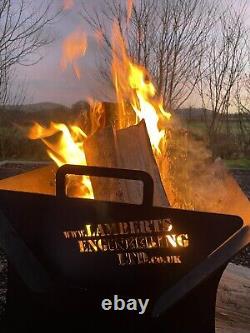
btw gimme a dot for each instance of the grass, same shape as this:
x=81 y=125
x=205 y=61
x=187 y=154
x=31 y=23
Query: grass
x=241 y=163
x=14 y=145
x=199 y=127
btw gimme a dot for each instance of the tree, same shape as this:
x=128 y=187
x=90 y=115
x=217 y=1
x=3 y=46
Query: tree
x=167 y=37
x=222 y=66
x=192 y=48
x=23 y=32
x=242 y=104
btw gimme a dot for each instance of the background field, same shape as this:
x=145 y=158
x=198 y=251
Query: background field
x=231 y=142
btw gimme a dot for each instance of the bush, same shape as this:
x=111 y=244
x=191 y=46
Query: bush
x=226 y=146
x=14 y=145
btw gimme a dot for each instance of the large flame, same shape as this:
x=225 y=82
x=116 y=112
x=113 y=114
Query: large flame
x=65 y=143
x=74 y=47
x=146 y=108
x=133 y=85
x=67 y=149
x=136 y=96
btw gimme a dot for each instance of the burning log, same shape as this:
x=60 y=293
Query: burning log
x=129 y=149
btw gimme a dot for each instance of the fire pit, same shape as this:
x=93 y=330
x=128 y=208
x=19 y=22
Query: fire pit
x=67 y=255
x=112 y=254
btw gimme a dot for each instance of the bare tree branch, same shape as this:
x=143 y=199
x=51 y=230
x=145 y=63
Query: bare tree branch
x=23 y=31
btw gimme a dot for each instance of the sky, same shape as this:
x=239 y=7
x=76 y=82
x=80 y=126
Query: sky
x=47 y=82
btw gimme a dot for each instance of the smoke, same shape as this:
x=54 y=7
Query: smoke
x=194 y=180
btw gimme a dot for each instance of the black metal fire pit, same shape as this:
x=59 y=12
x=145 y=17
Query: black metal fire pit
x=67 y=256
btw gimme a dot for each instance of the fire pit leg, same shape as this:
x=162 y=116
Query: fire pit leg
x=21 y=257
x=195 y=313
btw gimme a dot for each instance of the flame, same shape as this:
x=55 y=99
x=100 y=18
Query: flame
x=74 y=47
x=137 y=100
x=68 y=4
x=67 y=149
x=97 y=116
x=146 y=108
x=133 y=85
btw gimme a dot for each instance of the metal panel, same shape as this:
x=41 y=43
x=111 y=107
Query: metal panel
x=138 y=256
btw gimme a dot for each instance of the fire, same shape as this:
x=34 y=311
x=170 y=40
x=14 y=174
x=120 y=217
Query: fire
x=146 y=108
x=74 y=47
x=136 y=95
x=67 y=149
x=133 y=84
x=97 y=116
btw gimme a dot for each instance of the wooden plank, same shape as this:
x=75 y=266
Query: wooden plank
x=100 y=150
x=232 y=305
x=134 y=152
x=128 y=148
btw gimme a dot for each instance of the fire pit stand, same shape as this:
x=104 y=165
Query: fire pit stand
x=68 y=254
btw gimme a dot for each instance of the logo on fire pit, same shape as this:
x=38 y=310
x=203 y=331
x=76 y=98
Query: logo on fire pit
x=133 y=243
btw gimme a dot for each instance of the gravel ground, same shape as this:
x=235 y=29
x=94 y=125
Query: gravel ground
x=243 y=179
x=3 y=281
